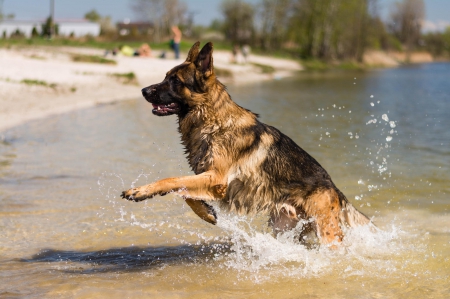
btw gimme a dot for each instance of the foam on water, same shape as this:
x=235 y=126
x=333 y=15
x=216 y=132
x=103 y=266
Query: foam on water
x=256 y=254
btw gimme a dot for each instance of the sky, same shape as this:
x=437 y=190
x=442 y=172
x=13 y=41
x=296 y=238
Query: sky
x=437 y=11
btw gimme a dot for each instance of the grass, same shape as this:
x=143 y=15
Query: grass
x=265 y=69
x=351 y=66
x=223 y=73
x=92 y=59
x=37 y=57
x=102 y=43
x=315 y=65
x=38 y=83
x=126 y=78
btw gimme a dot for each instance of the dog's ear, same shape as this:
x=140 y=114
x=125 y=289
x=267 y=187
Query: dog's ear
x=193 y=52
x=204 y=61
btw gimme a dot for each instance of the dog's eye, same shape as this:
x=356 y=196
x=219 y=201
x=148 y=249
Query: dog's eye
x=176 y=80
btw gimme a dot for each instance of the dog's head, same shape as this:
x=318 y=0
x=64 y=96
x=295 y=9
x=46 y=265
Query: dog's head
x=184 y=85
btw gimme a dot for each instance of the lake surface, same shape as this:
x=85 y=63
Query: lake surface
x=384 y=137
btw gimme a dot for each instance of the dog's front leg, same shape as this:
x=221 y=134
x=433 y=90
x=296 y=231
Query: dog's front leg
x=207 y=186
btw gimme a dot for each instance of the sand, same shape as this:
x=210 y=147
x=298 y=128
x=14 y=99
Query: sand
x=69 y=85
x=373 y=58
x=73 y=85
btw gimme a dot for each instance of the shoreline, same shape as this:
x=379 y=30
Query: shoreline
x=37 y=82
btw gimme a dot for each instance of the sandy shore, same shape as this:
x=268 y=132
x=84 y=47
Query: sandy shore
x=374 y=58
x=57 y=84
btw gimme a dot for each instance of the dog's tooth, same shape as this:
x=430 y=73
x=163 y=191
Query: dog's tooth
x=159 y=108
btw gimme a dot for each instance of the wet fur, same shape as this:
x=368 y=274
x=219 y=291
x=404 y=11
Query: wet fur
x=246 y=165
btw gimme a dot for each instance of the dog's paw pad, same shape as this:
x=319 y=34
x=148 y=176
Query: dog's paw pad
x=132 y=195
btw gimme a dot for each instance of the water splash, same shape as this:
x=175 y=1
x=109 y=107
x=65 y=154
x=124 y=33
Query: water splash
x=256 y=255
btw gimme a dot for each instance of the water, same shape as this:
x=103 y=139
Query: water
x=383 y=136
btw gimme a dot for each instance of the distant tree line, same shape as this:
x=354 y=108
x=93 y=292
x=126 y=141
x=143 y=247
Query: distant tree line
x=162 y=13
x=327 y=30
x=309 y=29
x=323 y=29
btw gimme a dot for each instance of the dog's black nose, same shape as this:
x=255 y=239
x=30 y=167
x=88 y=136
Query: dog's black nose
x=145 y=91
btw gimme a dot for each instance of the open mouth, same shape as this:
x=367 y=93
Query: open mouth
x=165 y=109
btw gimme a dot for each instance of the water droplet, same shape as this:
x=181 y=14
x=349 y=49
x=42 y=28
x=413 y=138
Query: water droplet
x=385 y=117
x=372 y=104
x=389 y=138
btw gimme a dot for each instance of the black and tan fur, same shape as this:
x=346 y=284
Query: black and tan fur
x=248 y=166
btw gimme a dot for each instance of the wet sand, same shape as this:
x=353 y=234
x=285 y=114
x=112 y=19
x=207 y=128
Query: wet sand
x=57 y=84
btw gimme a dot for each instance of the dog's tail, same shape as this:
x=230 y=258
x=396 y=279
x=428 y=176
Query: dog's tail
x=349 y=215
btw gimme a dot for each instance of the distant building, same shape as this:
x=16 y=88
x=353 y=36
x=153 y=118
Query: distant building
x=78 y=28
x=11 y=27
x=135 y=28
x=75 y=28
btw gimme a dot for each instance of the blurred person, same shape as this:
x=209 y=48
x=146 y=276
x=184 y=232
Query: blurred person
x=176 y=41
x=127 y=51
x=145 y=51
x=237 y=55
x=246 y=52
x=234 y=53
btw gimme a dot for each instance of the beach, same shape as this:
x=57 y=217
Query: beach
x=36 y=82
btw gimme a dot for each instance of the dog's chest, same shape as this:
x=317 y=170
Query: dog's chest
x=200 y=147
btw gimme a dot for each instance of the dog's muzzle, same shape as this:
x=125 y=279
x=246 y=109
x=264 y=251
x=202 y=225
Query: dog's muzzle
x=148 y=91
x=160 y=108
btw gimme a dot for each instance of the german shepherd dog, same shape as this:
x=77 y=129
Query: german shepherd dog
x=248 y=166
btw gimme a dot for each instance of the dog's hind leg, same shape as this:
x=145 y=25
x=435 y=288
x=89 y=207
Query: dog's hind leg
x=287 y=218
x=325 y=207
x=203 y=210
x=283 y=219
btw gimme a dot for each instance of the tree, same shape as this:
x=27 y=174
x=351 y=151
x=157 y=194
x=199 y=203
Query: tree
x=47 y=27
x=274 y=15
x=330 y=29
x=34 y=32
x=406 y=22
x=106 y=27
x=162 y=13
x=92 y=16
x=238 y=23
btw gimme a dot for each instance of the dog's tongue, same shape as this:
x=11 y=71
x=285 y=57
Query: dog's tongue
x=162 y=107
x=159 y=107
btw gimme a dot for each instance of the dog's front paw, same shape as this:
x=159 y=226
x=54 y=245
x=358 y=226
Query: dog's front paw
x=135 y=194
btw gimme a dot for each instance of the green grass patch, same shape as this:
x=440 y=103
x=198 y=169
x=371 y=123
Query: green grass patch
x=224 y=73
x=351 y=66
x=38 y=83
x=103 y=43
x=92 y=59
x=315 y=65
x=37 y=57
x=265 y=69
x=126 y=78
